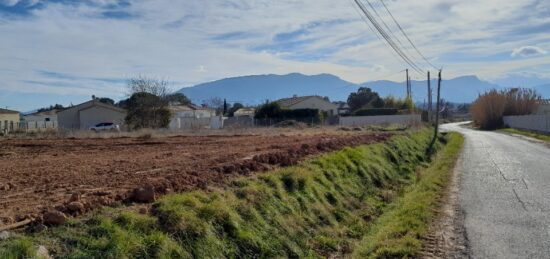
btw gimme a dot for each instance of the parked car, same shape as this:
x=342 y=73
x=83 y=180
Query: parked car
x=104 y=126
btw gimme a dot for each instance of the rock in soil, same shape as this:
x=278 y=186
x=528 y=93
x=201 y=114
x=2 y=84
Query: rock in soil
x=76 y=207
x=54 y=218
x=144 y=195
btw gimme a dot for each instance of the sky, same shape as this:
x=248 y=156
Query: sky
x=65 y=51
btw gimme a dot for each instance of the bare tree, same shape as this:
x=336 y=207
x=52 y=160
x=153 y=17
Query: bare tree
x=142 y=84
x=215 y=103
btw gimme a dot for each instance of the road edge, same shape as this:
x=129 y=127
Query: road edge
x=447 y=236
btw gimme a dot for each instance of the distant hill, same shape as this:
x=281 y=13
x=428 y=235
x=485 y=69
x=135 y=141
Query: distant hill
x=256 y=89
x=458 y=90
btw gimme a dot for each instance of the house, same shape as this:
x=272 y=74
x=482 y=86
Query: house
x=191 y=111
x=41 y=120
x=190 y=116
x=544 y=107
x=9 y=120
x=90 y=113
x=46 y=116
x=343 y=108
x=245 y=112
x=309 y=102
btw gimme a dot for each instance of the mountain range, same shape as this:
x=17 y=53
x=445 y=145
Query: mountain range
x=252 y=90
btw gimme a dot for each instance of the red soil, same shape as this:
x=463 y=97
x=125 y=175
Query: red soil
x=39 y=175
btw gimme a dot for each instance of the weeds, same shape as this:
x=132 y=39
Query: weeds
x=488 y=110
x=397 y=233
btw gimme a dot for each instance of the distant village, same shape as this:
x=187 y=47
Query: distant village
x=151 y=108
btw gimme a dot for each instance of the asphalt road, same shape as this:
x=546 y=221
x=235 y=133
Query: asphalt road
x=504 y=194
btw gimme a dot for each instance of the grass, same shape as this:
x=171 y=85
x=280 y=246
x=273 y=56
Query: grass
x=320 y=208
x=531 y=134
x=397 y=233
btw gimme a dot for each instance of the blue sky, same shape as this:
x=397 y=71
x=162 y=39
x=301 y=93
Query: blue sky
x=64 y=51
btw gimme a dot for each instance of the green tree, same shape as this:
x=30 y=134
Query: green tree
x=268 y=110
x=148 y=103
x=106 y=100
x=364 y=98
x=146 y=110
x=178 y=98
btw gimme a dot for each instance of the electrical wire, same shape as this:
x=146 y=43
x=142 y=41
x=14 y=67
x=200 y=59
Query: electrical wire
x=384 y=34
x=406 y=36
x=388 y=28
x=352 y=2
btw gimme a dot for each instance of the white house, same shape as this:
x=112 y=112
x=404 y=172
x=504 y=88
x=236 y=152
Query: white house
x=191 y=111
x=245 y=112
x=191 y=116
x=41 y=120
x=309 y=102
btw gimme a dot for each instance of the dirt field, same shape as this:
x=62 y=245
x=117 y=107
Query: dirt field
x=42 y=174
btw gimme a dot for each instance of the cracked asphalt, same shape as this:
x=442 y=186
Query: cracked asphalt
x=504 y=195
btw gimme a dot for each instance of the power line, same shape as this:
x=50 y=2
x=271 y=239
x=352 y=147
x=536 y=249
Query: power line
x=406 y=36
x=375 y=33
x=387 y=27
x=388 y=38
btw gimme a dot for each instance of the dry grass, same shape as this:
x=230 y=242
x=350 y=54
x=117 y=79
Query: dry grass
x=163 y=133
x=488 y=110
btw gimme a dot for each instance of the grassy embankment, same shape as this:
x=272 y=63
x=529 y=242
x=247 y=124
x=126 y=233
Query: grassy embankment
x=370 y=201
x=527 y=133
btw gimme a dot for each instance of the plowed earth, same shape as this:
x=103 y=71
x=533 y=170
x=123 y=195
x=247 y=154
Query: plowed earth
x=41 y=175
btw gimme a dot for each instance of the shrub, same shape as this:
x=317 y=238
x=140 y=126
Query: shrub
x=490 y=107
x=274 y=111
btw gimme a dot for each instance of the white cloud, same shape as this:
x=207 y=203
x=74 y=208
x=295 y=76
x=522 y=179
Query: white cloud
x=194 y=41
x=9 y=2
x=528 y=51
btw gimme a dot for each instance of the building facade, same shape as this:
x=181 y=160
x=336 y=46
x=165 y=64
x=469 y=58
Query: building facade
x=309 y=102
x=9 y=120
x=88 y=114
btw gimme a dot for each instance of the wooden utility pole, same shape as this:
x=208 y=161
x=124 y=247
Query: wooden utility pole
x=410 y=88
x=407 y=82
x=429 y=98
x=436 y=128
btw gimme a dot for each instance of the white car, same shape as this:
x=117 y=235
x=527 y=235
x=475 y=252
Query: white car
x=104 y=126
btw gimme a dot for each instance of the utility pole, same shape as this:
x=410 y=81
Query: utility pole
x=429 y=99
x=410 y=88
x=407 y=82
x=436 y=128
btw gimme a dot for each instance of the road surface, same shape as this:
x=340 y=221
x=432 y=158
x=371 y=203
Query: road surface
x=504 y=194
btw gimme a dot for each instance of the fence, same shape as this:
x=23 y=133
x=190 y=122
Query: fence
x=189 y=123
x=529 y=122
x=28 y=126
x=377 y=120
